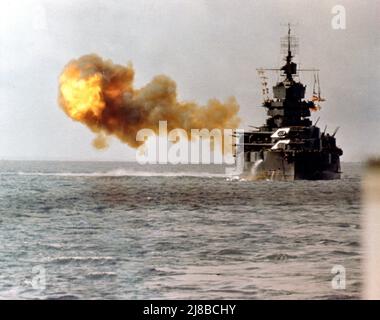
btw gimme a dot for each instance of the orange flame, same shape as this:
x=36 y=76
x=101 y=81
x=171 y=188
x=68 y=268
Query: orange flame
x=81 y=96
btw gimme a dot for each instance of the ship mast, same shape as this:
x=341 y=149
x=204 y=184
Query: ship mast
x=290 y=67
x=289 y=56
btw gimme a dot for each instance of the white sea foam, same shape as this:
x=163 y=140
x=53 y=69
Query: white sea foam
x=120 y=173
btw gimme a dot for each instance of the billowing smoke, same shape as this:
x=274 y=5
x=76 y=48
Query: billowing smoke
x=101 y=95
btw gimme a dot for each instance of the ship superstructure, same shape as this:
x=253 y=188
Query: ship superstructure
x=289 y=146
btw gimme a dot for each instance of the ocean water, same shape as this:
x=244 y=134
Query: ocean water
x=83 y=230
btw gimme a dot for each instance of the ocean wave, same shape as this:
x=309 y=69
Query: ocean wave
x=100 y=275
x=64 y=260
x=63 y=297
x=279 y=257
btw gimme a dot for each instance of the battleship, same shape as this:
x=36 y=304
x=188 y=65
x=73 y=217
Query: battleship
x=289 y=146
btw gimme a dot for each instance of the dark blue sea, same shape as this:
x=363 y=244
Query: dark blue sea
x=110 y=230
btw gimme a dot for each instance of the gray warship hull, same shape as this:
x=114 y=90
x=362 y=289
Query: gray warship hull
x=279 y=166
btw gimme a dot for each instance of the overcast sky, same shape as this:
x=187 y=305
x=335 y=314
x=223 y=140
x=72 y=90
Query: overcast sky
x=210 y=48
